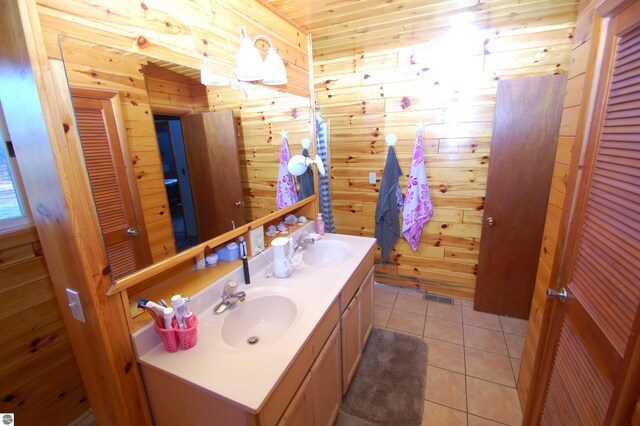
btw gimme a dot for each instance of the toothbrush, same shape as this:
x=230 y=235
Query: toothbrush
x=245 y=261
x=152 y=310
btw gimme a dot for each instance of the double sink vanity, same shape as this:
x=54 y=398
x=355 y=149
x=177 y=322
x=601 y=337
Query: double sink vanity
x=285 y=355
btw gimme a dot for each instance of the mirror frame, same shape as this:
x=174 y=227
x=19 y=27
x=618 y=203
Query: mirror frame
x=190 y=253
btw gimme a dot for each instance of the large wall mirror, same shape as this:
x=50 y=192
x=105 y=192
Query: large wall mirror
x=174 y=163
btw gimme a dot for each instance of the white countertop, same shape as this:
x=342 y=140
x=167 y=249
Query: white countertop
x=245 y=377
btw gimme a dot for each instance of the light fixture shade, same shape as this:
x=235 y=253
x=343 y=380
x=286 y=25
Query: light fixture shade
x=211 y=79
x=298 y=164
x=249 y=66
x=274 y=71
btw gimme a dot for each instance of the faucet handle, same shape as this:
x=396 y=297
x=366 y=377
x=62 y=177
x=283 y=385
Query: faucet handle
x=230 y=287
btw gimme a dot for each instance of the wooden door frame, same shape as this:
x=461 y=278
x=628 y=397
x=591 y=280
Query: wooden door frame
x=589 y=129
x=114 y=98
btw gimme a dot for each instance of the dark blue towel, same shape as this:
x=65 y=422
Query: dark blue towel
x=305 y=180
x=388 y=207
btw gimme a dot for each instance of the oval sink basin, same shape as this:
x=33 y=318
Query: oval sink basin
x=258 y=322
x=325 y=253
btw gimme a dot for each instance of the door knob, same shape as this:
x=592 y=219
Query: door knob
x=133 y=232
x=491 y=221
x=238 y=203
x=558 y=294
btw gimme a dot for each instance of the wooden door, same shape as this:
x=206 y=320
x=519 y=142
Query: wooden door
x=591 y=360
x=326 y=375
x=523 y=147
x=112 y=182
x=214 y=170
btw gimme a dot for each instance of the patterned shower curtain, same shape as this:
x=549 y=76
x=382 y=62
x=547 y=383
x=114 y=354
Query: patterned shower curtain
x=323 y=182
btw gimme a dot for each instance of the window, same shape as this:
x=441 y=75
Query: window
x=14 y=212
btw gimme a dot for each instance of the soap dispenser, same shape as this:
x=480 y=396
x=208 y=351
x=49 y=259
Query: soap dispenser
x=319 y=224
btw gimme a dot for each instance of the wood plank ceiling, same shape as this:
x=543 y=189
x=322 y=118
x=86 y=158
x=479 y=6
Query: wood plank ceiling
x=342 y=28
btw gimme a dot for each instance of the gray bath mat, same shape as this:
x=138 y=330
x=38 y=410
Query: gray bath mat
x=388 y=387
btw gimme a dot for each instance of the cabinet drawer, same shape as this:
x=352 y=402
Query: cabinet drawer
x=300 y=366
x=355 y=281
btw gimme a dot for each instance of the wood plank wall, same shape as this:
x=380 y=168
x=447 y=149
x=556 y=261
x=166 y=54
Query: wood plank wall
x=192 y=34
x=39 y=378
x=572 y=130
x=96 y=67
x=170 y=92
x=451 y=85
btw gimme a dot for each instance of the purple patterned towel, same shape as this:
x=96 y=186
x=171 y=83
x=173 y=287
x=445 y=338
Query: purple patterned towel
x=417 y=207
x=286 y=188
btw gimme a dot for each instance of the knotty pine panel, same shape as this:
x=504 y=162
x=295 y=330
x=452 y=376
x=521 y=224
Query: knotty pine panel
x=368 y=95
x=203 y=31
x=565 y=150
x=568 y=150
x=124 y=74
x=556 y=201
x=339 y=32
x=39 y=377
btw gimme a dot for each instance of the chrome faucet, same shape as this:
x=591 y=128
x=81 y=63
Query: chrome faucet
x=302 y=242
x=229 y=298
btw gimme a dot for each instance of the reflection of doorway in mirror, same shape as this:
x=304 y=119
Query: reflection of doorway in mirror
x=103 y=139
x=176 y=180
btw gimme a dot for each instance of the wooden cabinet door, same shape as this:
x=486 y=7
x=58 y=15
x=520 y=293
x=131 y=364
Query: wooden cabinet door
x=216 y=184
x=103 y=140
x=300 y=410
x=351 y=341
x=326 y=375
x=523 y=147
x=366 y=308
x=591 y=360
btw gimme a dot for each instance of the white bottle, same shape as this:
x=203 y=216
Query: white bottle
x=319 y=224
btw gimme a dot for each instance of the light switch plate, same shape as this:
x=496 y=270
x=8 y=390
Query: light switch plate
x=372 y=178
x=75 y=305
x=256 y=240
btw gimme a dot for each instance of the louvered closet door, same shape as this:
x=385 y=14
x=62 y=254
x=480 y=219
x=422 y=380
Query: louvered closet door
x=107 y=173
x=591 y=370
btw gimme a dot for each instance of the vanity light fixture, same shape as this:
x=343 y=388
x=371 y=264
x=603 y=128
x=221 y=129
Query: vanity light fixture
x=249 y=64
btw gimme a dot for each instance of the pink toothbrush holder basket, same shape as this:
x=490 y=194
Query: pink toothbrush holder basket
x=188 y=337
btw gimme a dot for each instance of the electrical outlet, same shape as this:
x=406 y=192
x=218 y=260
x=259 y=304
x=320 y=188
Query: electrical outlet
x=75 y=305
x=256 y=240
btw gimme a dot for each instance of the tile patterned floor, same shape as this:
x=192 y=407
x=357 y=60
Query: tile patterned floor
x=473 y=357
